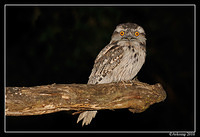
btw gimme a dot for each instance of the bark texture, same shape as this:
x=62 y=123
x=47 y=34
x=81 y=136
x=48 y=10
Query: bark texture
x=134 y=95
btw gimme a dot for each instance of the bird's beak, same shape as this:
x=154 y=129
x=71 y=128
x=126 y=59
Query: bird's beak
x=130 y=38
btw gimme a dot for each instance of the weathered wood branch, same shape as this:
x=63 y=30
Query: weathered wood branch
x=135 y=95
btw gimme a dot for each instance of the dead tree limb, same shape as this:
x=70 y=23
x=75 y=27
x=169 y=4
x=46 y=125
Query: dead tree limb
x=134 y=95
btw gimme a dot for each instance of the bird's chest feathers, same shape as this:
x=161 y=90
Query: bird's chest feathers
x=131 y=62
x=132 y=56
x=132 y=51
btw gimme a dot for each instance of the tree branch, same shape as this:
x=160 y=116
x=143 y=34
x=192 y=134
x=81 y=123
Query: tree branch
x=135 y=95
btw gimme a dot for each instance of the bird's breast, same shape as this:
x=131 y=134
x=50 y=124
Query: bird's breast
x=130 y=64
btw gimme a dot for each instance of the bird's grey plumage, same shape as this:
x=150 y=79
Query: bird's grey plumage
x=120 y=60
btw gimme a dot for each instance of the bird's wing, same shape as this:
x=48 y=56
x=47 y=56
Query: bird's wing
x=106 y=61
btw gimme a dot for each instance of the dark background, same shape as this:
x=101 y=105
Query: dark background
x=46 y=45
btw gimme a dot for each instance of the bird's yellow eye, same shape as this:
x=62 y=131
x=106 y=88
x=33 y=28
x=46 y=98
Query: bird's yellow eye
x=121 y=33
x=137 y=33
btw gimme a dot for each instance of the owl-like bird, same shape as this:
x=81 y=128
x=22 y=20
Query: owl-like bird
x=120 y=60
